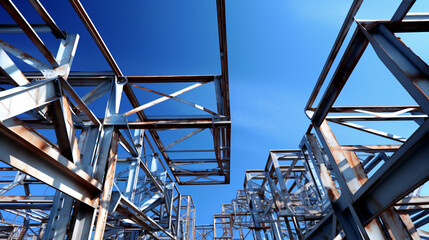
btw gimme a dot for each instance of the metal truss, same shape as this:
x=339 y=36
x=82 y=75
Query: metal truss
x=76 y=164
x=366 y=183
x=326 y=190
x=235 y=222
x=286 y=199
x=242 y=227
x=204 y=232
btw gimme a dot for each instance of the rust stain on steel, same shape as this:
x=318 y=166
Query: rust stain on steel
x=394 y=225
x=406 y=219
x=356 y=166
x=343 y=163
x=107 y=189
x=374 y=230
x=32 y=137
x=328 y=183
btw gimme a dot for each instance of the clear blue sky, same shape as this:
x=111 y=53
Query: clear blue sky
x=276 y=50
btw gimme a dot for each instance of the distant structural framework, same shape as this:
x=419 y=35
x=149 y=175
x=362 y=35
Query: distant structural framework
x=325 y=190
x=76 y=172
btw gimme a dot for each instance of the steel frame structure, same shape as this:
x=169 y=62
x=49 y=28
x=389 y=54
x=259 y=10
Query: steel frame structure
x=326 y=190
x=364 y=192
x=242 y=223
x=296 y=197
x=76 y=172
x=99 y=180
x=286 y=199
x=236 y=221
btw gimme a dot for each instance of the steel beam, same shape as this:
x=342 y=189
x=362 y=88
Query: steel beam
x=344 y=69
x=334 y=51
x=34 y=94
x=48 y=19
x=103 y=209
x=402 y=10
x=410 y=70
x=22 y=22
x=28 y=152
x=404 y=172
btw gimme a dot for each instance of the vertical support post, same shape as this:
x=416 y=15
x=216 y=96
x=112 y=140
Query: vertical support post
x=230 y=227
x=275 y=227
x=108 y=144
x=107 y=190
x=113 y=105
x=86 y=215
x=214 y=228
x=188 y=215
x=66 y=137
x=132 y=179
x=59 y=217
x=84 y=223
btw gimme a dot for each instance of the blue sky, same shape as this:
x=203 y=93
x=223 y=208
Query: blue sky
x=276 y=50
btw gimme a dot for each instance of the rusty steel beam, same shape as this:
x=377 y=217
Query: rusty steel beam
x=25 y=57
x=221 y=16
x=225 y=137
x=56 y=31
x=22 y=22
x=334 y=51
x=128 y=209
x=80 y=10
x=372 y=198
x=348 y=62
x=64 y=129
x=376 y=118
x=377 y=109
x=33 y=155
x=107 y=189
x=26 y=199
x=151 y=124
x=355 y=176
x=81 y=104
x=366 y=184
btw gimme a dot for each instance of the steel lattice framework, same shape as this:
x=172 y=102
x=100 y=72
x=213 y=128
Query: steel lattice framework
x=326 y=190
x=74 y=170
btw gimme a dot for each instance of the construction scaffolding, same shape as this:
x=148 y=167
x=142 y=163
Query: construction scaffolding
x=77 y=170
x=325 y=190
